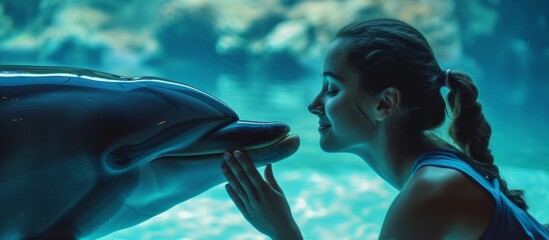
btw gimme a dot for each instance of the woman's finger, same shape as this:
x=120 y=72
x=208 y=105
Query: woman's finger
x=252 y=173
x=242 y=177
x=271 y=179
x=232 y=179
x=236 y=199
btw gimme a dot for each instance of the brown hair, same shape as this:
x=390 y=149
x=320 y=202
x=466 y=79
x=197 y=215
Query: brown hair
x=391 y=53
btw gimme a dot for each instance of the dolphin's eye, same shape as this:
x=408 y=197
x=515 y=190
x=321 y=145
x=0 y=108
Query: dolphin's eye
x=122 y=160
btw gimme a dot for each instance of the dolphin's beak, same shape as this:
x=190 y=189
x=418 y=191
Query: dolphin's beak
x=268 y=142
x=241 y=135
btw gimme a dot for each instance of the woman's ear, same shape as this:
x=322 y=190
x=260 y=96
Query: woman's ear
x=388 y=101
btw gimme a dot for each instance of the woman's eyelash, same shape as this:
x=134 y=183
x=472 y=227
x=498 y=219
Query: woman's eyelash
x=328 y=88
x=331 y=92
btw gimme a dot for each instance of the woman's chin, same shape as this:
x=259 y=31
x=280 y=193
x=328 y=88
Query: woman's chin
x=327 y=147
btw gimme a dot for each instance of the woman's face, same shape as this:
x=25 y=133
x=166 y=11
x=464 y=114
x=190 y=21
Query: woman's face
x=342 y=107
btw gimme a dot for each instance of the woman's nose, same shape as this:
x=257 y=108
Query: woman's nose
x=316 y=107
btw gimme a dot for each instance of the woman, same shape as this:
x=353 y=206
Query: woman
x=380 y=99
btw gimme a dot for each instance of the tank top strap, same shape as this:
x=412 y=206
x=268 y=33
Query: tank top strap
x=448 y=158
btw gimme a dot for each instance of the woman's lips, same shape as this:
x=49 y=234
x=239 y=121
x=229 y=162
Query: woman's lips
x=323 y=127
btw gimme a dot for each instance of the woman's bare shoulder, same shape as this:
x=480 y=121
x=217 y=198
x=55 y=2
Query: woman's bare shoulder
x=438 y=203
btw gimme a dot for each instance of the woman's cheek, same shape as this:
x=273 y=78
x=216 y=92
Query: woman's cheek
x=332 y=108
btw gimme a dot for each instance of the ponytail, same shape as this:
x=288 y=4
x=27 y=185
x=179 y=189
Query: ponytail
x=471 y=132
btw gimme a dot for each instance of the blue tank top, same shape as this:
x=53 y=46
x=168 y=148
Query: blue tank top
x=508 y=220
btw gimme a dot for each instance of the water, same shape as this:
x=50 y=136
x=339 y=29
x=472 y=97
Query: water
x=333 y=196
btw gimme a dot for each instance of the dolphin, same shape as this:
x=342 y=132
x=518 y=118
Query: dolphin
x=86 y=153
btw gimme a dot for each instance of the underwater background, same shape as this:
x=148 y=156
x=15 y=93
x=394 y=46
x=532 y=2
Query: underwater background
x=263 y=57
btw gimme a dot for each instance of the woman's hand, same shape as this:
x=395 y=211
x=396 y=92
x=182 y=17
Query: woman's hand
x=261 y=202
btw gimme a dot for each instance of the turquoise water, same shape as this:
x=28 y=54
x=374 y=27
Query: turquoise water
x=333 y=196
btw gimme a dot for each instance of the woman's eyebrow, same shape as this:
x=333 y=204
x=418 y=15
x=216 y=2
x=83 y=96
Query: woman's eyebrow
x=332 y=75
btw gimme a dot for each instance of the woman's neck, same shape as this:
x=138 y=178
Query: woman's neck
x=393 y=161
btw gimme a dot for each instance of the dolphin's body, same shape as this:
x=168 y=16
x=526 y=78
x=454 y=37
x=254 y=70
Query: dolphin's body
x=84 y=153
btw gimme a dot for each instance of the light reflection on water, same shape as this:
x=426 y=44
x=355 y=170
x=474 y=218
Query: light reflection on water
x=333 y=196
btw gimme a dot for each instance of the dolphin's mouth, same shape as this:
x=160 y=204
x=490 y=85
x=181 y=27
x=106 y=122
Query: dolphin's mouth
x=267 y=142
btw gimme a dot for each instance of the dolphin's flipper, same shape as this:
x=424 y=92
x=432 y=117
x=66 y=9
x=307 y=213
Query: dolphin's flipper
x=85 y=153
